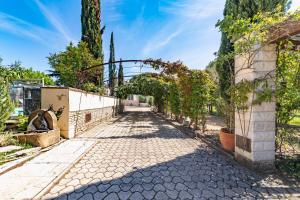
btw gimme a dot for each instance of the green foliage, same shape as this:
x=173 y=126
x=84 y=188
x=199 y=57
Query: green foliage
x=91 y=28
x=286 y=139
x=89 y=87
x=92 y=32
x=264 y=94
x=121 y=74
x=296 y=120
x=16 y=71
x=7 y=75
x=287 y=94
x=201 y=87
x=142 y=99
x=249 y=8
x=287 y=83
x=239 y=10
x=185 y=88
x=112 y=66
x=225 y=69
x=22 y=123
x=6 y=105
x=150 y=101
x=175 y=101
x=240 y=93
x=68 y=66
x=211 y=69
x=190 y=94
x=184 y=92
x=146 y=84
x=247 y=33
x=289 y=164
x=226 y=110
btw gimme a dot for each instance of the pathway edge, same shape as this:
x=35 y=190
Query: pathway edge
x=45 y=190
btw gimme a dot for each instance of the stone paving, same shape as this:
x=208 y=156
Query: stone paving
x=30 y=179
x=141 y=156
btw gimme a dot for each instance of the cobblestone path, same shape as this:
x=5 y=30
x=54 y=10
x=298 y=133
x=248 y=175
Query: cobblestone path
x=143 y=157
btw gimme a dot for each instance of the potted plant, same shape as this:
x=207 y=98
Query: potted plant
x=241 y=100
x=249 y=38
x=227 y=136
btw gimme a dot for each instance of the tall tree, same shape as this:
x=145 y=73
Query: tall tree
x=240 y=9
x=112 y=66
x=68 y=65
x=92 y=32
x=121 y=74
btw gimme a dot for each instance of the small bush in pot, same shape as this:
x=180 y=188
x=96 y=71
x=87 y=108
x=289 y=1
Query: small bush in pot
x=227 y=137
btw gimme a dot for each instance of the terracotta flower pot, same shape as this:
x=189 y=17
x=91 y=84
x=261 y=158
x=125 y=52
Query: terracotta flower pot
x=227 y=140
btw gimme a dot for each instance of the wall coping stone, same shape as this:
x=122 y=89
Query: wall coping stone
x=77 y=90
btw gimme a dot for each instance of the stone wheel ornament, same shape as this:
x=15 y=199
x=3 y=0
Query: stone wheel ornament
x=42 y=130
x=42 y=120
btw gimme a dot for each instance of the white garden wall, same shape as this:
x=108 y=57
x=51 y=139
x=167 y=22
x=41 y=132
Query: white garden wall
x=82 y=110
x=87 y=101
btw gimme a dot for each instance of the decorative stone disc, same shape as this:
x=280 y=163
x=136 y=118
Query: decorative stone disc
x=49 y=117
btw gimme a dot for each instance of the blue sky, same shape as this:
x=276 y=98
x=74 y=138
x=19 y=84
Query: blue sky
x=169 y=29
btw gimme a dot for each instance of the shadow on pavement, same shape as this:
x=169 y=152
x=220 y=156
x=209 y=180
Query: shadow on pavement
x=202 y=174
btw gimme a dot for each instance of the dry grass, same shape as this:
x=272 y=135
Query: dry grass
x=6 y=139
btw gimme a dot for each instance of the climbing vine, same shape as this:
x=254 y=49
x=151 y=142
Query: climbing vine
x=146 y=84
x=250 y=37
x=176 y=89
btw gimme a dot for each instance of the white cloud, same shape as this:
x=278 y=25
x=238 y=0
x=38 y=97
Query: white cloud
x=160 y=42
x=23 y=28
x=177 y=30
x=192 y=9
x=189 y=15
x=111 y=10
x=54 y=21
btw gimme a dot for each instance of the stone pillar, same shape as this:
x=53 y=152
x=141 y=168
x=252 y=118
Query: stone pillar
x=256 y=146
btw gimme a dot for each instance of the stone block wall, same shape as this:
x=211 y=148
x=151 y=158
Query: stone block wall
x=257 y=133
x=78 y=121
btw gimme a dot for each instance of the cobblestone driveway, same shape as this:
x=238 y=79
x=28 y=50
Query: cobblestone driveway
x=143 y=157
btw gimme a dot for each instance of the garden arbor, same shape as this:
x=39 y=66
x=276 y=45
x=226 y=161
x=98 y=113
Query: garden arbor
x=148 y=84
x=256 y=146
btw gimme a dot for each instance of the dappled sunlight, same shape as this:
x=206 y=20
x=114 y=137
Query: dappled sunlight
x=143 y=157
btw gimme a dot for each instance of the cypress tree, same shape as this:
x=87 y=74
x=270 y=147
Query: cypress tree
x=112 y=66
x=120 y=83
x=91 y=30
x=120 y=74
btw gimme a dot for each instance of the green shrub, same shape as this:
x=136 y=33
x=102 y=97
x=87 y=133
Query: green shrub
x=17 y=71
x=22 y=123
x=6 y=105
x=175 y=102
x=89 y=87
x=142 y=99
x=68 y=67
x=150 y=101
